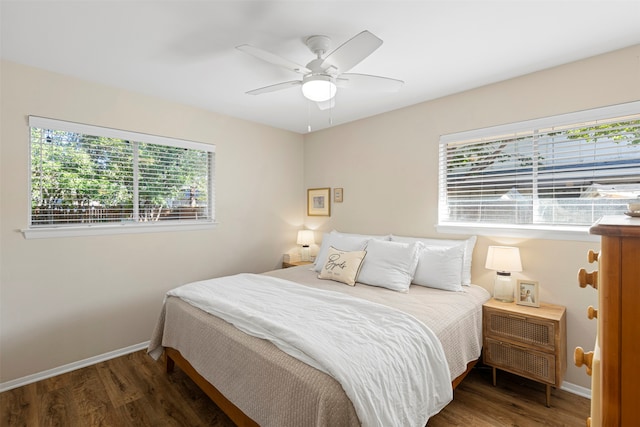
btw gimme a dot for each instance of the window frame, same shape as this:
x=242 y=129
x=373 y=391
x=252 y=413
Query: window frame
x=540 y=231
x=94 y=229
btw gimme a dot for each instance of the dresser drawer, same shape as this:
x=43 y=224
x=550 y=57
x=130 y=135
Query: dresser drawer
x=523 y=361
x=536 y=332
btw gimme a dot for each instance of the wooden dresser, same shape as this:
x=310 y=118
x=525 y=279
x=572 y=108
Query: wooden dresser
x=615 y=363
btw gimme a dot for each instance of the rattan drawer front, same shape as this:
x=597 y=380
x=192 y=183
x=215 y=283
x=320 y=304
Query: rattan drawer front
x=519 y=360
x=536 y=332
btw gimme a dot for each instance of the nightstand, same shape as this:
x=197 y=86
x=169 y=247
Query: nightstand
x=295 y=263
x=526 y=341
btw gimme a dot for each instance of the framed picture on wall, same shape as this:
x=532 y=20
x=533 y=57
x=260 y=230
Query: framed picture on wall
x=527 y=293
x=319 y=201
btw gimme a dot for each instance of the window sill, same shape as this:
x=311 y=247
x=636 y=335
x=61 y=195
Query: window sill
x=111 y=229
x=578 y=233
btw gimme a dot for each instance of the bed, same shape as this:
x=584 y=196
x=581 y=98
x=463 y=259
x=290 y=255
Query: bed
x=257 y=383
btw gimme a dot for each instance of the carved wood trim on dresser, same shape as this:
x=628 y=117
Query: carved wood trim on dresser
x=616 y=368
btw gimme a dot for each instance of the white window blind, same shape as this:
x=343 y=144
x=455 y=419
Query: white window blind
x=84 y=175
x=567 y=170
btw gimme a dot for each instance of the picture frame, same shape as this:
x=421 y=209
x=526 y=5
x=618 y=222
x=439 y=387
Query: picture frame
x=337 y=195
x=319 y=201
x=528 y=293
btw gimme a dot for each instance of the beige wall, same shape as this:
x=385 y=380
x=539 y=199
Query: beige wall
x=66 y=299
x=388 y=167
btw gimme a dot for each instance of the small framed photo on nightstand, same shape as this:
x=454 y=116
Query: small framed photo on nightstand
x=527 y=293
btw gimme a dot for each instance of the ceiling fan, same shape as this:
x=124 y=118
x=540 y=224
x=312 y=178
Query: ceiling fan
x=322 y=76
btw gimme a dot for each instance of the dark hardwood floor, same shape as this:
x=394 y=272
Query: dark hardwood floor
x=134 y=390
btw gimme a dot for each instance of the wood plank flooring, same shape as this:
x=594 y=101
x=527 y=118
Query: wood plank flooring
x=134 y=390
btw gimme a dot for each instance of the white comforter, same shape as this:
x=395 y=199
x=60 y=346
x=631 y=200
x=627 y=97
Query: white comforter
x=390 y=365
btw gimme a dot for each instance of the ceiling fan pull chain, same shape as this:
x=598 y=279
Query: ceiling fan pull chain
x=331 y=113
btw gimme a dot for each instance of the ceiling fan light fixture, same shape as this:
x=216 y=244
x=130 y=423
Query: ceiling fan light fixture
x=318 y=88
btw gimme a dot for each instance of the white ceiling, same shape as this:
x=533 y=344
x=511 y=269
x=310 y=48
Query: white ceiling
x=184 y=50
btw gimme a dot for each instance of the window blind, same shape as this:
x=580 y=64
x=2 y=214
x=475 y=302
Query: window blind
x=554 y=171
x=89 y=175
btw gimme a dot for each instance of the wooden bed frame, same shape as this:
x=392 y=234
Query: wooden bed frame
x=173 y=357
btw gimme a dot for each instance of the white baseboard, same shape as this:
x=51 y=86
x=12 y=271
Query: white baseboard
x=19 y=382
x=576 y=389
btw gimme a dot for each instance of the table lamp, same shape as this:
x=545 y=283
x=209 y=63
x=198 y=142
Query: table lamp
x=503 y=259
x=305 y=238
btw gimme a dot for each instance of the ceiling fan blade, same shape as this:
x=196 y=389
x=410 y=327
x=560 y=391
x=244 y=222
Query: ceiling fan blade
x=272 y=58
x=352 y=52
x=276 y=87
x=367 y=82
x=325 y=105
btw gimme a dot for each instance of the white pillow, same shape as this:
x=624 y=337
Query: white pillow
x=440 y=267
x=342 y=266
x=340 y=242
x=390 y=265
x=369 y=236
x=469 y=244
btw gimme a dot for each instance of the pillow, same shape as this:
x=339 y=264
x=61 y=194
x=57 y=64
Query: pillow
x=340 y=242
x=342 y=266
x=468 y=251
x=440 y=267
x=390 y=265
x=368 y=236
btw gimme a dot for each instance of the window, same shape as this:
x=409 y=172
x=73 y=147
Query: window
x=86 y=176
x=559 y=172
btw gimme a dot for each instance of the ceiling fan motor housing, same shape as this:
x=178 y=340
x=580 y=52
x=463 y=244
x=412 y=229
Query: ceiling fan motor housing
x=318 y=44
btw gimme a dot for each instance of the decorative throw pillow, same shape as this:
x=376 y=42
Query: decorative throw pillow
x=340 y=242
x=390 y=265
x=342 y=266
x=440 y=267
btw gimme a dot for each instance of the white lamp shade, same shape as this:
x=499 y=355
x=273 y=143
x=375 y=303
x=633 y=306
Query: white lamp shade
x=305 y=237
x=318 y=88
x=503 y=258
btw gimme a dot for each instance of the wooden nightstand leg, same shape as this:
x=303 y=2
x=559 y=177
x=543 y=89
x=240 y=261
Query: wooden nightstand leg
x=548 y=396
x=493 y=371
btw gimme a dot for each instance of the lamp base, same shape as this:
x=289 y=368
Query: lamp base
x=305 y=254
x=503 y=287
